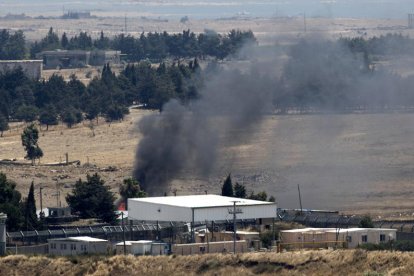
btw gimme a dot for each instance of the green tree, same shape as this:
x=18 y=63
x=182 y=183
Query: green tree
x=27 y=113
x=366 y=222
x=262 y=196
x=130 y=189
x=30 y=137
x=48 y=117
x=64 y=42
x=4 y=125
x=10 y=203
x=239 y=190
x=227 y=188
x=115 y=113
x=93 y=199
x=72 y=116
x=30 y=209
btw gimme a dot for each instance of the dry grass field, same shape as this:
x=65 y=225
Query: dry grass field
x=266 y=29
x=113 y=145
x=325 y=262
x=358 y=162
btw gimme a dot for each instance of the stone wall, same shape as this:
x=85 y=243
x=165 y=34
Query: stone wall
x=32 y=68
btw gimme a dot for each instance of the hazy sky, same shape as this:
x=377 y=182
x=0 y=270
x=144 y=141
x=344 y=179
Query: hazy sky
x=219 y=8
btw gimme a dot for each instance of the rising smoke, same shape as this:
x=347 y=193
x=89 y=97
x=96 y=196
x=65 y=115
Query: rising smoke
x=183 y=137
x=317 y=75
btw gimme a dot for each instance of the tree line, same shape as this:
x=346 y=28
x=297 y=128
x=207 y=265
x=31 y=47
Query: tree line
x=153 y=46
x=109 y=96
x=239 y=191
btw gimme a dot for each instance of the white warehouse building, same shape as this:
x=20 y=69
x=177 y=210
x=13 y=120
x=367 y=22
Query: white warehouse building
x=198 y=208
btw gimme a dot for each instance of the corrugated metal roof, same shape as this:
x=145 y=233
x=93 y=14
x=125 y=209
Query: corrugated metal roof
x=201 y=201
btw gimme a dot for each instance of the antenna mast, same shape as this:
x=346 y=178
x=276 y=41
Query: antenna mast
x=126 y=30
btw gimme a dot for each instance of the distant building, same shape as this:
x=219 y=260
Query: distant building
x=61 y=59
x=32 y=68
x=134 y=247
x=159 y=248
x=77 y=15
x=411 y=21
x=328 y=237
x=198 y=208
x=78 y=246
x=60 y=215
x=211 y=247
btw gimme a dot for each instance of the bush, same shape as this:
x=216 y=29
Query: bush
x=366 y=222
x=404 y=246
x=266 y=238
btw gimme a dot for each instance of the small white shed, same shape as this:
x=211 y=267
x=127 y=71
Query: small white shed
x=78 y=246
x=142 y=247
x=159 y=248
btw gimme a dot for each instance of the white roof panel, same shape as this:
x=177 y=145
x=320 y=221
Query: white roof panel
x=334 y=230
x=201 y=201
x=87 y=239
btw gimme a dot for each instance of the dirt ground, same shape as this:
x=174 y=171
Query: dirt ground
x=266 y=29
x=356 y=163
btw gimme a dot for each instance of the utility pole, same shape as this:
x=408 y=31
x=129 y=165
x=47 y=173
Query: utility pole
x=41 y=200
x=235 y=212
x=300 y=200
x=123 y=231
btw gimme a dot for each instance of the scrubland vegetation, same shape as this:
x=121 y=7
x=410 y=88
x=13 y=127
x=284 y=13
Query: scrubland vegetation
x=324 y=262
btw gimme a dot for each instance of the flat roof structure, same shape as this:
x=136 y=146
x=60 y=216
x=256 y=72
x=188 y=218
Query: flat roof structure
x=198 y=208
x=21 y=61
x=334 y=230
x=79 y=239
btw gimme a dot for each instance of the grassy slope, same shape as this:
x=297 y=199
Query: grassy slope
x=351 y=262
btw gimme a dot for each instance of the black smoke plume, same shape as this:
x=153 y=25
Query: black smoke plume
x=188 y=137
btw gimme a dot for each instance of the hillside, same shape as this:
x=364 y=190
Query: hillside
x=326 y=262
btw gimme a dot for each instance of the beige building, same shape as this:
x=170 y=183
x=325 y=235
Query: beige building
x=60 y=59
x=32 y=68
x=329 y=237
x=211 y=247
x=252 y=238
x=78 y=246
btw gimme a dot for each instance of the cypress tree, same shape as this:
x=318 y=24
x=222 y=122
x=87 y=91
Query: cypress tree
x=30 y=209
x=227 y=189
x=240 y=190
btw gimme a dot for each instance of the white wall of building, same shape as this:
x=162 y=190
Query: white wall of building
x=198 y=208
x=69 y=247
